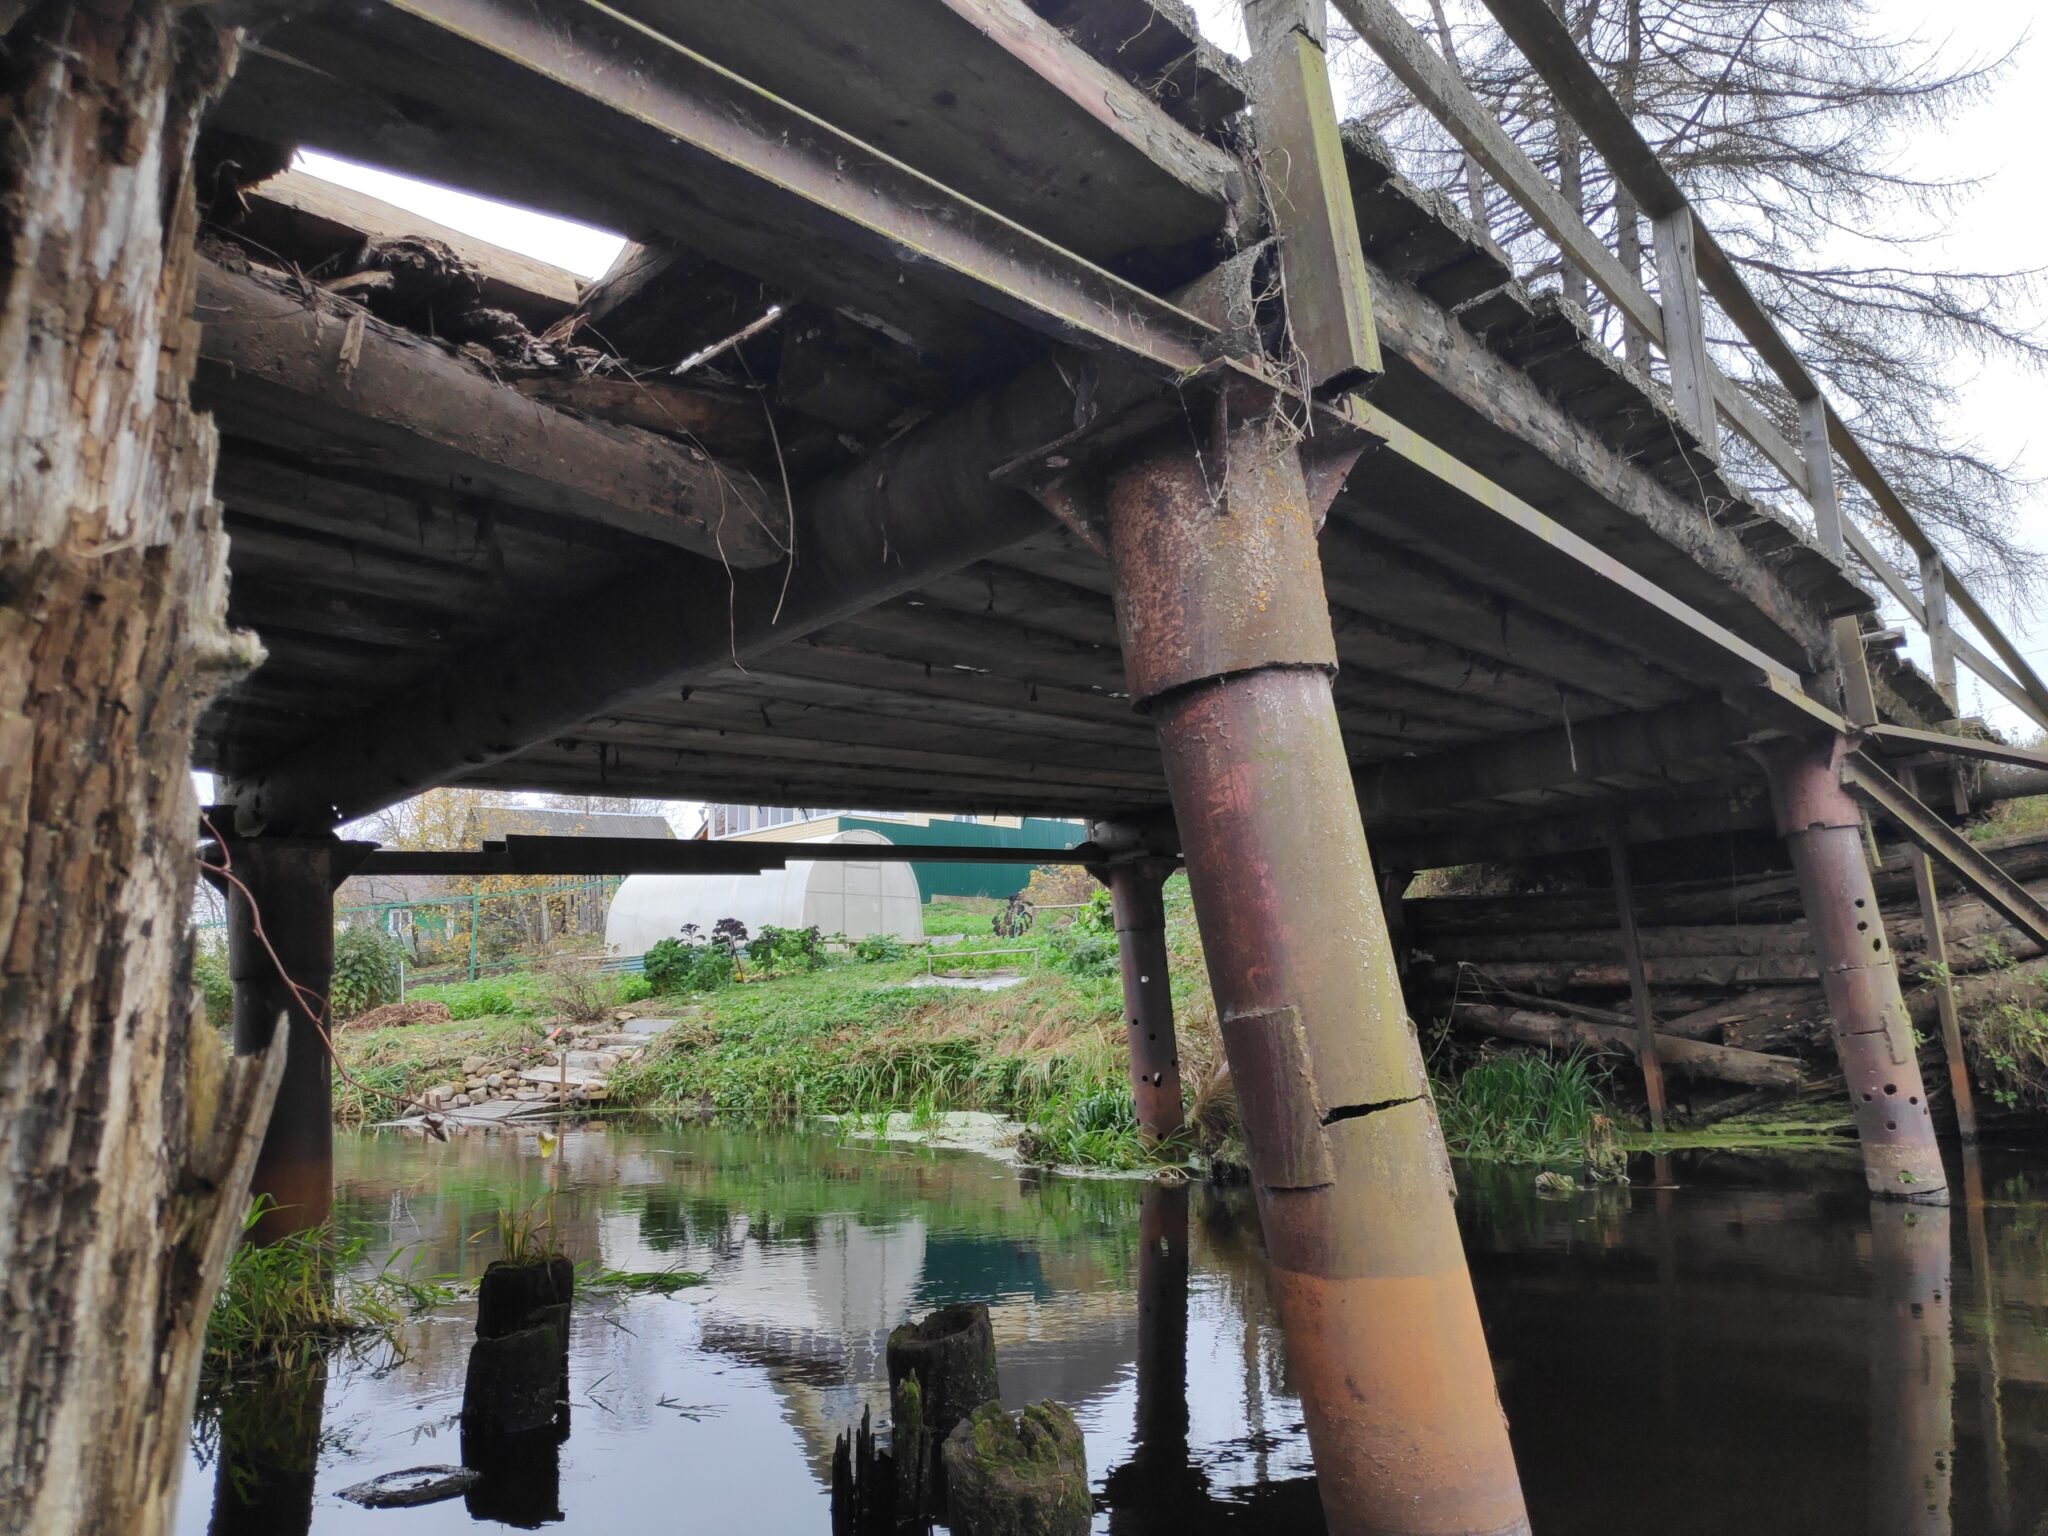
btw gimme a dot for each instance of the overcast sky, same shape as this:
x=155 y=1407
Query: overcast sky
x=2002 y=225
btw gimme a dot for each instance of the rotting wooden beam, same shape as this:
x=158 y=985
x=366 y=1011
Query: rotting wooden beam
x=1666 y=742
x=1329 y=299
x=297 y=214
x=1648 y=1052
x=921 y=506
x=323 y=377
x=537 y=103
x=1692 y=1058
x=1445 y=382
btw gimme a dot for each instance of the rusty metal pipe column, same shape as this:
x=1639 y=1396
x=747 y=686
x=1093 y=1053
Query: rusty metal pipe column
x=1823 y=828
x=1136 y=888
x=1227 y=644
x=293 y=882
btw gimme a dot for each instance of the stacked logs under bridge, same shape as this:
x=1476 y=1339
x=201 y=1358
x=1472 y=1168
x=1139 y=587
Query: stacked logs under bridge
x=1734 y=983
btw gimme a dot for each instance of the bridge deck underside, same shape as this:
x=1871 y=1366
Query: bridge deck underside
x=370 y=570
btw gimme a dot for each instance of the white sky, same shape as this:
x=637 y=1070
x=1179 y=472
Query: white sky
x=2005 y=224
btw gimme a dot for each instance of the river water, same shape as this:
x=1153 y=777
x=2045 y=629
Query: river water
x=1754 y=1350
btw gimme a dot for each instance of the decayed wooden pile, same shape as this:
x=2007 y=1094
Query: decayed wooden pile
x=1734 y=983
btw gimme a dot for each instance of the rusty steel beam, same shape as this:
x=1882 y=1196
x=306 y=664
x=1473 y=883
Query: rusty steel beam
x=1135 y=893
x=1227 y=645
x=1820 y=822
x=288 y=927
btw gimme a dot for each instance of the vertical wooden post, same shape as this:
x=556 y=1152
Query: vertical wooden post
x=1685 y=328
x=1329 y=300
x=1944 y=994
x=1941 y=635
x=1852 y=667
x=1638 y=976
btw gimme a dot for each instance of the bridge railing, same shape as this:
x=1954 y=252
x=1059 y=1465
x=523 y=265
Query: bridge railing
x=1691 y=263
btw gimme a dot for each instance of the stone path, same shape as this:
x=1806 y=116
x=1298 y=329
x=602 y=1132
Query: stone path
x=575 y=1074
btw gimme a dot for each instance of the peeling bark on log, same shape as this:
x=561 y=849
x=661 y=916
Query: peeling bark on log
x=126 y=1136
x=1693 y=1058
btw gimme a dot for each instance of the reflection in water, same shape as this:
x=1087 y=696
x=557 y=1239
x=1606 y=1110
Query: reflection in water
x=1757 y=1349
x=266 y=1447
x=1912 y=1371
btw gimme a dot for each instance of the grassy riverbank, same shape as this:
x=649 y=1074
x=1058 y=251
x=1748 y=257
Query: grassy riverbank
x=861 y=1036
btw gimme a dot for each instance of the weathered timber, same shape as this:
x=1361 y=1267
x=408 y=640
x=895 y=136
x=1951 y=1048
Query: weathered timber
x=632 y=131
x=126 y=1136
x=1029 y=127
x=1692 y=1058
x=1158 y=45
x=1026 y=1476
x=319 y=225
x=1448 y=384
x=921 y=506
x=1690 y=739
x=940 y=1370
x=1770 y=897
x=316 y=375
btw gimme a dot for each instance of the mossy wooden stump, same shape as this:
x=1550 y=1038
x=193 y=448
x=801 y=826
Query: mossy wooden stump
x=518 y=1376
x=511 y=1293
x=940 y=1371
x=1026 y=1476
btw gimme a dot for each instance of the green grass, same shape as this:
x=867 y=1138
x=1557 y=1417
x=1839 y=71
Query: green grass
x=285 y=1303
x=1524 y=1107
x=409 y=1060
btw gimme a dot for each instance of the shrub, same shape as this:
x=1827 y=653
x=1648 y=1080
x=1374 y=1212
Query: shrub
x=877 y=948
x=677 y=965
x=632 y=989
x=780 y=950
x=215 y=987
x=582 y=994
x=366 y=971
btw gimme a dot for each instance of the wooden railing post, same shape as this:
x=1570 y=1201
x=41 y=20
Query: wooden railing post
x=1685 y=328
x=1859 y=699
x=1941 y=639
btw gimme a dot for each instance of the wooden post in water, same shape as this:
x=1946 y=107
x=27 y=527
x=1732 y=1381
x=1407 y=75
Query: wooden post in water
x=1638 y=977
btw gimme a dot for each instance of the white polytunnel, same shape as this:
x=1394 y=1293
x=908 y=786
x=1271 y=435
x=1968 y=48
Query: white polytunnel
x=854 y=898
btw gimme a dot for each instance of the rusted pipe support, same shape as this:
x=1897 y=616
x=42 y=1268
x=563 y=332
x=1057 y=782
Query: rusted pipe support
x=1823 y=828
x=1135 y=893
x=293 y=881
x=1227 y=644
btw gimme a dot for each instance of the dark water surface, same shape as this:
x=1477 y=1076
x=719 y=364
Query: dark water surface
x=1758 y=1350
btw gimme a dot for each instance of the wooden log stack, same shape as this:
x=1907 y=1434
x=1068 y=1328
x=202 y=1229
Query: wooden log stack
x=1735 y=987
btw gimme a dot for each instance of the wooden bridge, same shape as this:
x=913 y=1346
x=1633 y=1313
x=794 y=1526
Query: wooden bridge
x=1025 y=407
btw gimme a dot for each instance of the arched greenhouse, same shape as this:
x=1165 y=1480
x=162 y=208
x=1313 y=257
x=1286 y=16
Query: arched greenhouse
x=854 y=898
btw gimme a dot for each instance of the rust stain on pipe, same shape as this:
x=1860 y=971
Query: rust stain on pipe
x=1135 y=887
x=1228 y=646
x=1823 y=828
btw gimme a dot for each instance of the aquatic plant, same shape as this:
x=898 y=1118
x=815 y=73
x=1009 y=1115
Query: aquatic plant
x=1522 y=1107
x=286 y=1302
